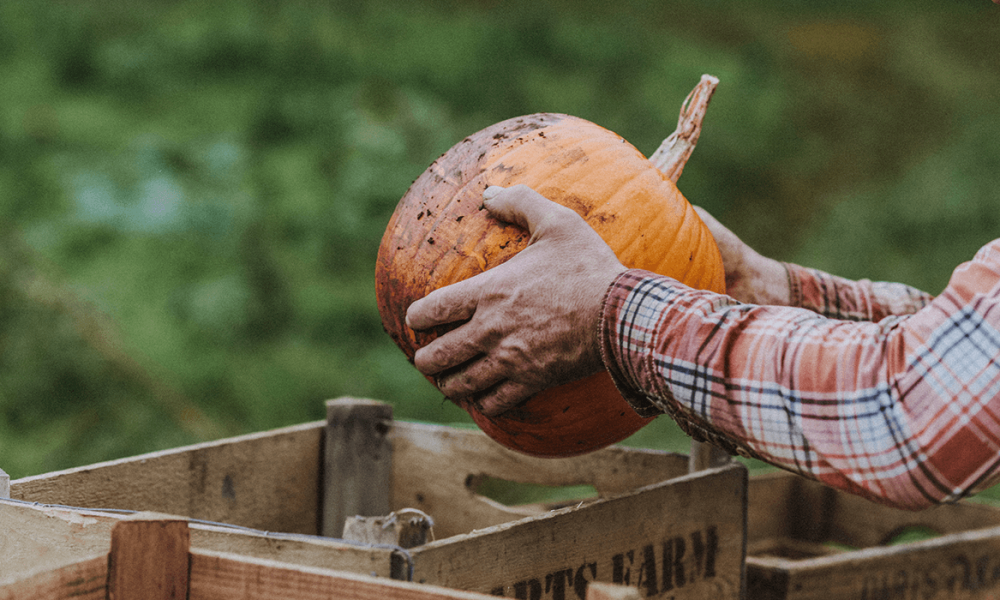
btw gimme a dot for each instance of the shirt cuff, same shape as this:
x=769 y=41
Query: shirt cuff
x=626 y=357
x=611 y=343
x=794 y=284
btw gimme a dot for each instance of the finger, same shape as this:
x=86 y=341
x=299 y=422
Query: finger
x=491 y=191
x=523 y=206
x=503 y=397
x=449 y=351
x=474 y=378
x=450 y=304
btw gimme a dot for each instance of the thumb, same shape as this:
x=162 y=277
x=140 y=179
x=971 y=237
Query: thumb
x=523 y=206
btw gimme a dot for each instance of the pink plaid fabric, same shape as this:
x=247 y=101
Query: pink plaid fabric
x=903 y=409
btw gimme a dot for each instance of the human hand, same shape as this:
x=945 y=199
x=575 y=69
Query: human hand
x=531 y=322
x=750 y=277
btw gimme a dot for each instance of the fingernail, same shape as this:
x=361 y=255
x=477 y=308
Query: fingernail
x=491 y=192
x=407 y=318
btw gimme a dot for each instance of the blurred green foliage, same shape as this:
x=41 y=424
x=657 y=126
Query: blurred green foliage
x=193 y=191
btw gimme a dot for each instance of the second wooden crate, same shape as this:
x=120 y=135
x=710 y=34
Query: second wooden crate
x=810 y=542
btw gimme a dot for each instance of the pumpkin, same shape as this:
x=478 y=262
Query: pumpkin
x=440 y=234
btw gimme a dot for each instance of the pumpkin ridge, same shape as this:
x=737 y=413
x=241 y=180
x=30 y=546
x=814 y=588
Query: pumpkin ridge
x=687 y=276
x=634 y=190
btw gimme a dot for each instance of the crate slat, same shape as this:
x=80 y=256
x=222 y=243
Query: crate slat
x=683 y=538
x=810 y=542
x=80 y=580
x=266 y=480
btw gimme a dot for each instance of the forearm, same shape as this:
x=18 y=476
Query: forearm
x=867 y=407
x=756 y=279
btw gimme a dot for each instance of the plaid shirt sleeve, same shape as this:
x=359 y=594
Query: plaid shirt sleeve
x=840 y=298
x=904 y=411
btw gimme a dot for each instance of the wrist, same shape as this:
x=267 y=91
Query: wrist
x=776 y=288
x=612 y=339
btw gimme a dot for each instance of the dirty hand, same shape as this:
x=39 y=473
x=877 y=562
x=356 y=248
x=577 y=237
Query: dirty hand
x=531 y=322
x=750 y=277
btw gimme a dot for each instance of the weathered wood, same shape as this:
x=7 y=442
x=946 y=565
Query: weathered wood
x=223 y=576
x=436 y=469
x=149 y=558
x=810 y=542
x=132 y=570
x=280 y=471
x=962 y=565
x=34 y=540
x=310 y=551
x=683 y=538
x=610 y=591
x=4 y=485
x=267 y=480
x=648 y=509
x=768 y=512
x=706 y=456
x=81 y=580
x=357 y=476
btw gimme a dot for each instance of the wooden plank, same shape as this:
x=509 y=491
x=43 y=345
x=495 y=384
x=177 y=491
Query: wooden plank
x=267 y=481
x=270 y=481
x=768 y=514
x=149 y=558
x=307 y=551
x=610 y=591
x=357 y=477
x=785 y=505
x=964 y=565
x=80 y=580
x=812 y=557
x=37 y=538
x=4 y=484
x=683 y=538
x=435 y=470
x=41 y=539
x=804 y=509
x=858 y=522
x=223 y=576
x=226 y=576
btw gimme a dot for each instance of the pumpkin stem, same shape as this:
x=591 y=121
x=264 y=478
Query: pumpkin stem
x=673 y=153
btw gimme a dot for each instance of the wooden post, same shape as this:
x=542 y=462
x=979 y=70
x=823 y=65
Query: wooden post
x=706 y=456
x=149 y=558
x=4 y=484
x=357 y=473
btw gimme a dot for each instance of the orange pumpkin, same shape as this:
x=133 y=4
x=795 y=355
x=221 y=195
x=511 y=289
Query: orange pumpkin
x=440 y=234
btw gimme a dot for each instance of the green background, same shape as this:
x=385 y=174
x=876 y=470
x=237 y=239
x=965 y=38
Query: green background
x=192 y=192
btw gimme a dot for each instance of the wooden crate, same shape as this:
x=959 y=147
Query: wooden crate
x=652 y=526
x=150 y=558
x=807 y=541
